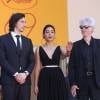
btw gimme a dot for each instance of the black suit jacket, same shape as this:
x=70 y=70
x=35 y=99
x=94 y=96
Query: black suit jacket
x=77 y=70
x=10 y=60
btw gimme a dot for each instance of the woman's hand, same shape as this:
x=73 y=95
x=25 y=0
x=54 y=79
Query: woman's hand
x=36 y=90
x=69 y=48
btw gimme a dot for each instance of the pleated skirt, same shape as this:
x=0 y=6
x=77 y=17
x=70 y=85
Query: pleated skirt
x=52 y=85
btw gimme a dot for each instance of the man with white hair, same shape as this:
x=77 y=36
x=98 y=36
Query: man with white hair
x=84 y=64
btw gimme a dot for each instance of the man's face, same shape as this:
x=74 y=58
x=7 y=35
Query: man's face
x=21 y=24
x=86 y=30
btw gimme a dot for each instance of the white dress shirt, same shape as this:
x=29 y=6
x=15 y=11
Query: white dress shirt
x=13 y=34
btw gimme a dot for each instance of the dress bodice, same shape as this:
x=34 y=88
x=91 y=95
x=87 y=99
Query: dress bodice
x=46 y=60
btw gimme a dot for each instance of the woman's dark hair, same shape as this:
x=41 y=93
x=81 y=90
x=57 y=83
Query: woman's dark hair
x=46 y=26
x=14 y=19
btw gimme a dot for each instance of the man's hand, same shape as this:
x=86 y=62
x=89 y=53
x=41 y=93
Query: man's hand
x=21 y=78
x=74 y=89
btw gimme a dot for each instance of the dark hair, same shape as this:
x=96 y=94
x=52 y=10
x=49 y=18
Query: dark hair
x=14 y=19
x=46 y=26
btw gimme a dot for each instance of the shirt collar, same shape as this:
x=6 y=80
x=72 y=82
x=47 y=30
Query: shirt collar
x=14 y=34
x=91 y=41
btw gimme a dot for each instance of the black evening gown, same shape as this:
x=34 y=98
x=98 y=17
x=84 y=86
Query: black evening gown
x=51 y=84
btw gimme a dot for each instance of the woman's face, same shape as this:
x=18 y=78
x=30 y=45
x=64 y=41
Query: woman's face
x=49 y=34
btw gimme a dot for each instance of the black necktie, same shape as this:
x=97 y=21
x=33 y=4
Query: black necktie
x=18 y=42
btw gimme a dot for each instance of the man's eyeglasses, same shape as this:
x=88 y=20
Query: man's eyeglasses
x=86 y=27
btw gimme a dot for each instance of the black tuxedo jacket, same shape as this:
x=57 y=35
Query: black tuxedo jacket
x=77 y=69
x=11 y=59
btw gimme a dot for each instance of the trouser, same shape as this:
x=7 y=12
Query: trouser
x=16 y=92
x=90 y=92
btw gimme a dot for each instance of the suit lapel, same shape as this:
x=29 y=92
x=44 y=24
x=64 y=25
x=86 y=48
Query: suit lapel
x=94 y=51
x=11 y=41
x=23 y=43
x=82 y=49
x=13 y=45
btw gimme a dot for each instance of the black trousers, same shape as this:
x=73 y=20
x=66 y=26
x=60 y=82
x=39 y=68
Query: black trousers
x=16 y=92
x=90 y=92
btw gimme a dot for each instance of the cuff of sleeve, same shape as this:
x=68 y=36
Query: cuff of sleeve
x=26 y=72
x=15 y=74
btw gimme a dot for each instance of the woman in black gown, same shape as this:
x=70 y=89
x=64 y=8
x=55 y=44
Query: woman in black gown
x=49 y=79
